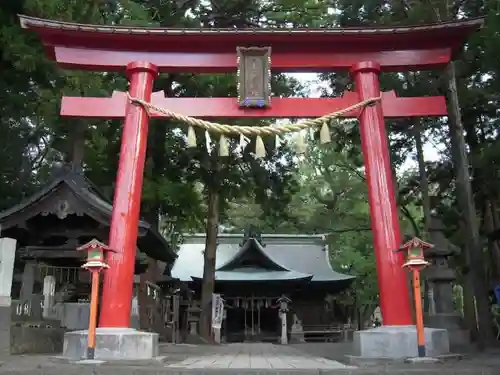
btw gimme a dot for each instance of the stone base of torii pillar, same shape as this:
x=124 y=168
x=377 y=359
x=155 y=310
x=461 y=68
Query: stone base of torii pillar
x=398 y=342
x=112 y=344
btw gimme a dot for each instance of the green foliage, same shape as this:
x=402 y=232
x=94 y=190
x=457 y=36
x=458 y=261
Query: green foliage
x=176 y=178
x=331 y=198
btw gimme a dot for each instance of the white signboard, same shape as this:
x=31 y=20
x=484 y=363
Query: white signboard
x=217 y=310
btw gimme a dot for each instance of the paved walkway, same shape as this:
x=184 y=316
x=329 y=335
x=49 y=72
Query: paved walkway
x=261 y=356
x=250 y=359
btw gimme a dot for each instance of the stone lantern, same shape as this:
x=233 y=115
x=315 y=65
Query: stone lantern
x=193 y=318
x=440 y=310
x=284 y=302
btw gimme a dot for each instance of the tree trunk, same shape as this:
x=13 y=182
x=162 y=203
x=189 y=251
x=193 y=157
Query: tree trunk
x=466 y=201
x=424 y=182
x=155 y=166
x=496 y=224
x=494 y=249
x=426 y=203
x=208 y=285
x=77 y=137
x=401 y=209
x=494 y=213
x=469 y=306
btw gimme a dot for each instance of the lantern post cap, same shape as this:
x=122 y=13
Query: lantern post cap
x=415 y=261
x=415 y=242
x=94 y=244
x=284 y=298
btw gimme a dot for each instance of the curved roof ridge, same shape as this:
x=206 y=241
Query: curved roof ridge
x=329 y=263
x=334 y=272
x=243 y=249
x=44 y=190
x=316 y=261
x=257 y=275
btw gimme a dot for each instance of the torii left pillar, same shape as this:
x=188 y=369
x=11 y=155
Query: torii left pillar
x=114 y=337
x=119 y=278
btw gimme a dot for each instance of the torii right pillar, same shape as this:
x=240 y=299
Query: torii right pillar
x=397 y=338
x=394 y=298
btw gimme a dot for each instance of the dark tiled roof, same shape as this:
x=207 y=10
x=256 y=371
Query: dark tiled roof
x=299 y=257
x=152 y=243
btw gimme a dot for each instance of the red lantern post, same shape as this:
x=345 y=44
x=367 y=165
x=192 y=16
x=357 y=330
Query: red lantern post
x=415 y=262
x=94 y=264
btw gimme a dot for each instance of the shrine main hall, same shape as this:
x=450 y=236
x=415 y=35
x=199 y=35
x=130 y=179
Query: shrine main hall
x=256 y=274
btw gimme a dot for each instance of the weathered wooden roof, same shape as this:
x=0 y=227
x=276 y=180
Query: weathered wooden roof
x=40 y=23
x=111 y=48
x=280 y=258
x=208 y=40
x=149 y=241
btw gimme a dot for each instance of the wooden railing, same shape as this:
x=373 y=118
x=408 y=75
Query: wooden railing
x=62 y=275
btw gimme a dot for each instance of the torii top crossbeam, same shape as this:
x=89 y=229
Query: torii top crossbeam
x=212 y=50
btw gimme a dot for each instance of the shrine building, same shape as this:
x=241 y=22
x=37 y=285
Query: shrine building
x=49 y=286
x=255 y=273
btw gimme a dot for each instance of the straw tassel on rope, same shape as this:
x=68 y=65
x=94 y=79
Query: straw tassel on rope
x=242 y=143
x=301 y=144
x=260 y=149
x=223 y=146
x=191 y=137
x=208 y=141
x=324 y=134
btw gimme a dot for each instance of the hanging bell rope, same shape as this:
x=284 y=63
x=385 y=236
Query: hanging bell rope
x=257 y=131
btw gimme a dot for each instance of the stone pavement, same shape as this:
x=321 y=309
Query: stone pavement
x=250 y=359
x=262 y=356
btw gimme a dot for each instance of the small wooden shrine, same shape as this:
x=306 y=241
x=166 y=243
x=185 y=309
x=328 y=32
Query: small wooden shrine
x=49 y=226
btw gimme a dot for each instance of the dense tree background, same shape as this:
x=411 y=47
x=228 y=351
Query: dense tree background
x=195 y=190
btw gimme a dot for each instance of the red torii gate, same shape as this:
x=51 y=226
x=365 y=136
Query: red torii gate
x=143 y=52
